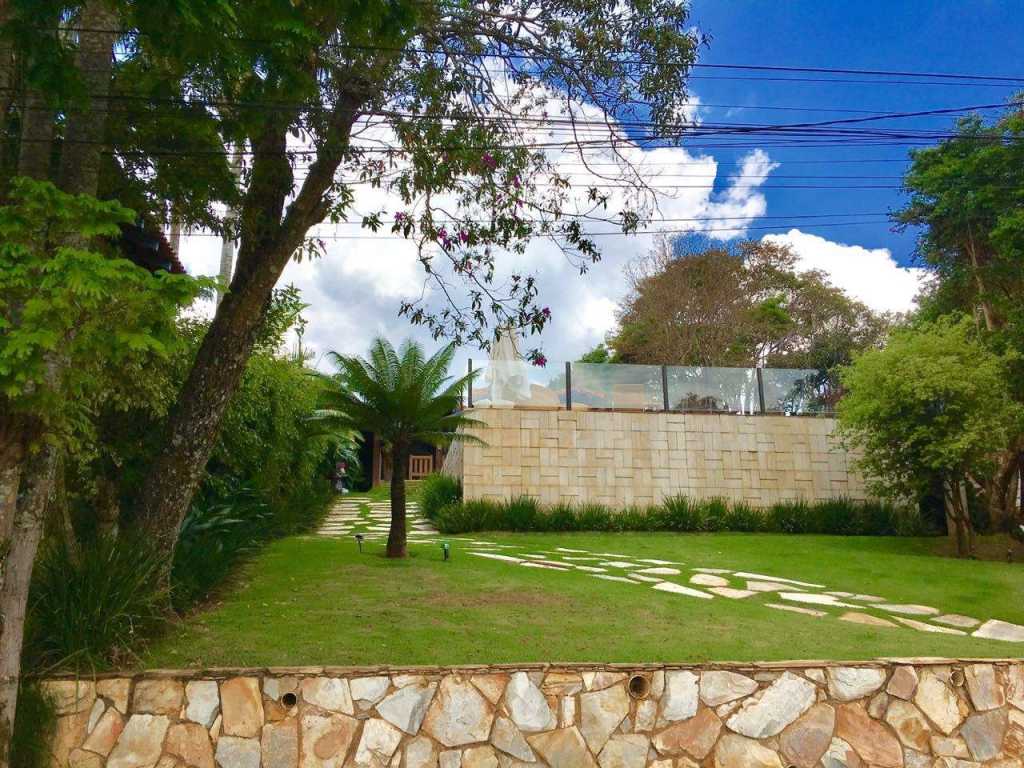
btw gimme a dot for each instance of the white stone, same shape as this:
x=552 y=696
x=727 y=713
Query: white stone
x=203 y=699
x=708 y=580
x=377 y=744
x=567 y=711
x=680 y=699
x=994 y=629
x=140 y=743
x=419 y=753
x=763 y=577
x=506 y=737
x=459 y=714
x=731 y=593
x=95 y=714
x=660 y=571
x=600 y=714
x=957 y=620
x=712 y=570
x=849 y=683
x=646 y=579
x=527 y=705
x=331 y=693
x=236 y=752
x=406 y=707
x=624 y=751
x=369 y=689
x=646 y=715
x=679 y=589
x=812 y=598
x=924 y=627
x=908 y=609
x=619 y=564
x=935 y=699
x=495 y=556
x=720 y=686
x=777 y=706
x=768 y=586
x=613 y=578
x=797 y=609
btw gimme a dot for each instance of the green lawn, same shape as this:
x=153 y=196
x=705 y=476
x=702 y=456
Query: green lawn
x=316 y=601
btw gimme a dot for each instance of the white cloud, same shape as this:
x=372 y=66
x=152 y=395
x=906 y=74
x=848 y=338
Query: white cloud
x=870 y=275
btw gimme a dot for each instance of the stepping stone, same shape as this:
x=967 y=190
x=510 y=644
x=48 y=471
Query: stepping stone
x=908 y=609
x=654 y=561
x=580 y=558
x=763 y=577
x=590 y=568
x=640 y=577
x=535 y=556
x=913 y=623
x=868 y=598
x=535 y=564
x=865 y=618
x=496 y=556
x=613 y=578
x=679 y=589
x=660 y=571
x=770 y=586
x=707 y=580
x=994 y=629
x=840 y=594
x=567 y=549
x=797 y=609
x=556 y=564
x=957 y=620
x=613 y=554
x=621 y=564
x=813 y=599
x=731 y=593
x=712 y=570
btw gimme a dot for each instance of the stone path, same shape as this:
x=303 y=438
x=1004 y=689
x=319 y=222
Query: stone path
x=372 y=519
x=357 y=515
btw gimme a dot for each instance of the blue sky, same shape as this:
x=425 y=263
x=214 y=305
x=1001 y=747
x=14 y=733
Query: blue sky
x=961 y=37
x=355 y=291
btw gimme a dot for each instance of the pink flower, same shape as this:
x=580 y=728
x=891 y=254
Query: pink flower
x=489 y=160
x=463 y=236
x=539 y=360
x=546 y=312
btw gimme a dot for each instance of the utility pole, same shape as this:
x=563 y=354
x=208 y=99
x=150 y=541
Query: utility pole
x=227 y=248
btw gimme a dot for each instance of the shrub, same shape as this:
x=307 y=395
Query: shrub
x=435 y=491
x=91 y=607
x=841 y=517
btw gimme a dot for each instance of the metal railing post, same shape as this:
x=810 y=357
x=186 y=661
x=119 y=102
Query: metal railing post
x=760 y=390
x=664 y=387
x=469 y=388
x=568 y=385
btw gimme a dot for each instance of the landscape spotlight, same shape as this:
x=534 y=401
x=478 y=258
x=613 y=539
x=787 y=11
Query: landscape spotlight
x=359 y=541
x=446 y=548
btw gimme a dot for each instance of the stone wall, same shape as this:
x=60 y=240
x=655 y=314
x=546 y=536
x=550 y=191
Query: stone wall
x=945 y=714
x=620 y=459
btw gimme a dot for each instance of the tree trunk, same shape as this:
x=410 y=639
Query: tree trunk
x=399 y=470
x=80 y=155
x=36 y=149
x=267 y=242
x=958 y=520
x=195 y=419
x=28 y=530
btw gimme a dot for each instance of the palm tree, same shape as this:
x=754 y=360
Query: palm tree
x=404 y=398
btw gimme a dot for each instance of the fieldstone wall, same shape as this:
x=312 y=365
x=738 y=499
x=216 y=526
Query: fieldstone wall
x=620 y=458
x=950 y=714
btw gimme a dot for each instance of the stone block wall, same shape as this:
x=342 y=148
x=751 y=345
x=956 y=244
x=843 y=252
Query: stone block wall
x=620 y=458
x=895 y=714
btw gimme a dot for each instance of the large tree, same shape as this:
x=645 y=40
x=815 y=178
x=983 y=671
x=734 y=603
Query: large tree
x=967 y=204
x=932 y=407
x=742 y=305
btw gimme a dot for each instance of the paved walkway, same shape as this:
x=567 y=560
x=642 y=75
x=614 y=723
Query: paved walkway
x=352 y=515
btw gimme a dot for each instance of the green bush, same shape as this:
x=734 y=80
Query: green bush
x=435 y=491
x=681 y=514
x=89 y=608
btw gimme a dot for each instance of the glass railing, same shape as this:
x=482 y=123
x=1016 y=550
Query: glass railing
x=652 y=388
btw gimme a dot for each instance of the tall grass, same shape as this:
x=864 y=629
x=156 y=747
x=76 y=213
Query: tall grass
x=91 y=607
x=437 y=490
x=682 y=514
